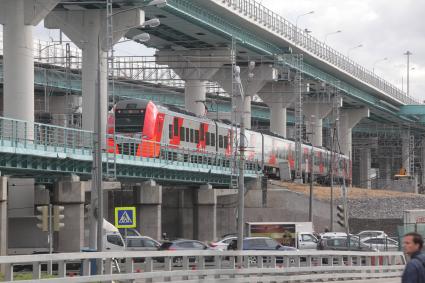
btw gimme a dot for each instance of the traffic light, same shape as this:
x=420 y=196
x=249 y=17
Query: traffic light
x=58 y=217
x=43 y=217
x=341 y=215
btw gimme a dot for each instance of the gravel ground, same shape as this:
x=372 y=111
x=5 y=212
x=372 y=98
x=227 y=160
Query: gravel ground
x=373 y=204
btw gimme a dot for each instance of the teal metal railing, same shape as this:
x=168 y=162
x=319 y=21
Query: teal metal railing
x=60 y=142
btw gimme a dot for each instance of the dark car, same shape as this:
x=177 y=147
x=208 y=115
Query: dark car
x=261 y=244
x=344 y=244
x=141 y=243
x=183 y=245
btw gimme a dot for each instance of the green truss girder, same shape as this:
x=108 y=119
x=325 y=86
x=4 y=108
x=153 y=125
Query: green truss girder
x=37 y=164
x=412 y=110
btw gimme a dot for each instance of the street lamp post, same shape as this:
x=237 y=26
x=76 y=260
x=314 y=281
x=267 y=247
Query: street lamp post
x=96 y=203
x=296 y=23
x=408 y=54
x=353 y=48
x=331 y=33
x=378 y=61
x=302 y=15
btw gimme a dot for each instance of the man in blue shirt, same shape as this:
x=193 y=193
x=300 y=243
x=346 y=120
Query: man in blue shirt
x=415 y=268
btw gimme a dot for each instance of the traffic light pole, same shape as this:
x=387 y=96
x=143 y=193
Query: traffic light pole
x=50 y=238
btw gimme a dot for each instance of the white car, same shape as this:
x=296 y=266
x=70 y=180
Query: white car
x=372 y=234
x=222 y=244
x=329 y=235
x=381 y=244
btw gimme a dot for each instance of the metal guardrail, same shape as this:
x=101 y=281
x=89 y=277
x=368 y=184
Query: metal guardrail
x=211 y=266
x=293 y=34
x=62 y=142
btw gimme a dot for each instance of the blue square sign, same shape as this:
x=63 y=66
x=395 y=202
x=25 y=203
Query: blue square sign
x=125 y=217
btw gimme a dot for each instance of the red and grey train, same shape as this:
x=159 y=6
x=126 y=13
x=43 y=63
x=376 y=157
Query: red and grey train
x=157 y=126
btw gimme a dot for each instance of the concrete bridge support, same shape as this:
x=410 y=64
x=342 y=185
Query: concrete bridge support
x=315 y=112
x=18 y=18
x=348 y=119
x=365 y=163
x=87 y=30
x=195 y=67
x=278 y=96
x=71 y=195
x=3 y=220
x=148 y=200
x=251 y=86
x=205 y=214
x=405 y=151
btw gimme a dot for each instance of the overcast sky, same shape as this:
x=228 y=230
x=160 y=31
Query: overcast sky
x=386 y=28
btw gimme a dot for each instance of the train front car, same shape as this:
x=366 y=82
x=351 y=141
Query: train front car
x=139 y=128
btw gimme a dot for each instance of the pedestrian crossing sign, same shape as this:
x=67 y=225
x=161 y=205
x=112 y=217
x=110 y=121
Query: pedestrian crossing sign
x=125 y=217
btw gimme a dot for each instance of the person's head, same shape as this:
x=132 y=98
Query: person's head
x=412 y=242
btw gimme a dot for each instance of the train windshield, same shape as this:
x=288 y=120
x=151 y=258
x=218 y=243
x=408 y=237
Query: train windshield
x=129 y=120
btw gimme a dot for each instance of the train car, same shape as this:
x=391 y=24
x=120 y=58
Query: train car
x=153 y=127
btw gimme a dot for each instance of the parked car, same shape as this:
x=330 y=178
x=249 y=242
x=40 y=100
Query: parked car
x=381 y=244
x=343 y=244
x=372 y=234
x=222 y=244
x=329 y=235
x=141 y=243
x=261 y=244
x=129 y=232
x=181 y=245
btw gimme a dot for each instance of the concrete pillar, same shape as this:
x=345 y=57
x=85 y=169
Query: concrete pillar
x=205 y=216
x=71 y=195
x=148 y=201
x=195 y=67
x=405 y=151
x=314 y=113
x=348 y=119
x=365 y=163
x=251 y=86
x=194 y=96
x=278 y=96
x=3 y=220
x=87 y=30
x=18 y=18
x=278 y=119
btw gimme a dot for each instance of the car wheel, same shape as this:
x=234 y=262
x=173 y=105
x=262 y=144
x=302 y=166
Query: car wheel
x=252 y=260
x=178 y=260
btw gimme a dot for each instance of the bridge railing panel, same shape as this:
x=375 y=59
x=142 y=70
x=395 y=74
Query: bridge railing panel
x=298 y=37
x=208 y=266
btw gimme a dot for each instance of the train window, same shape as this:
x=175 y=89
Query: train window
x=220 y=141
x=176 y=126
x=212 y=139
x=187 y=134
x=191 y=135
x=182 y=132
x=226 y=142
x=170 y=131
x=207 y=138
x=196 y=136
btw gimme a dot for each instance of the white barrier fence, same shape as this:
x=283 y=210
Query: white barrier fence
x=210 y=266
